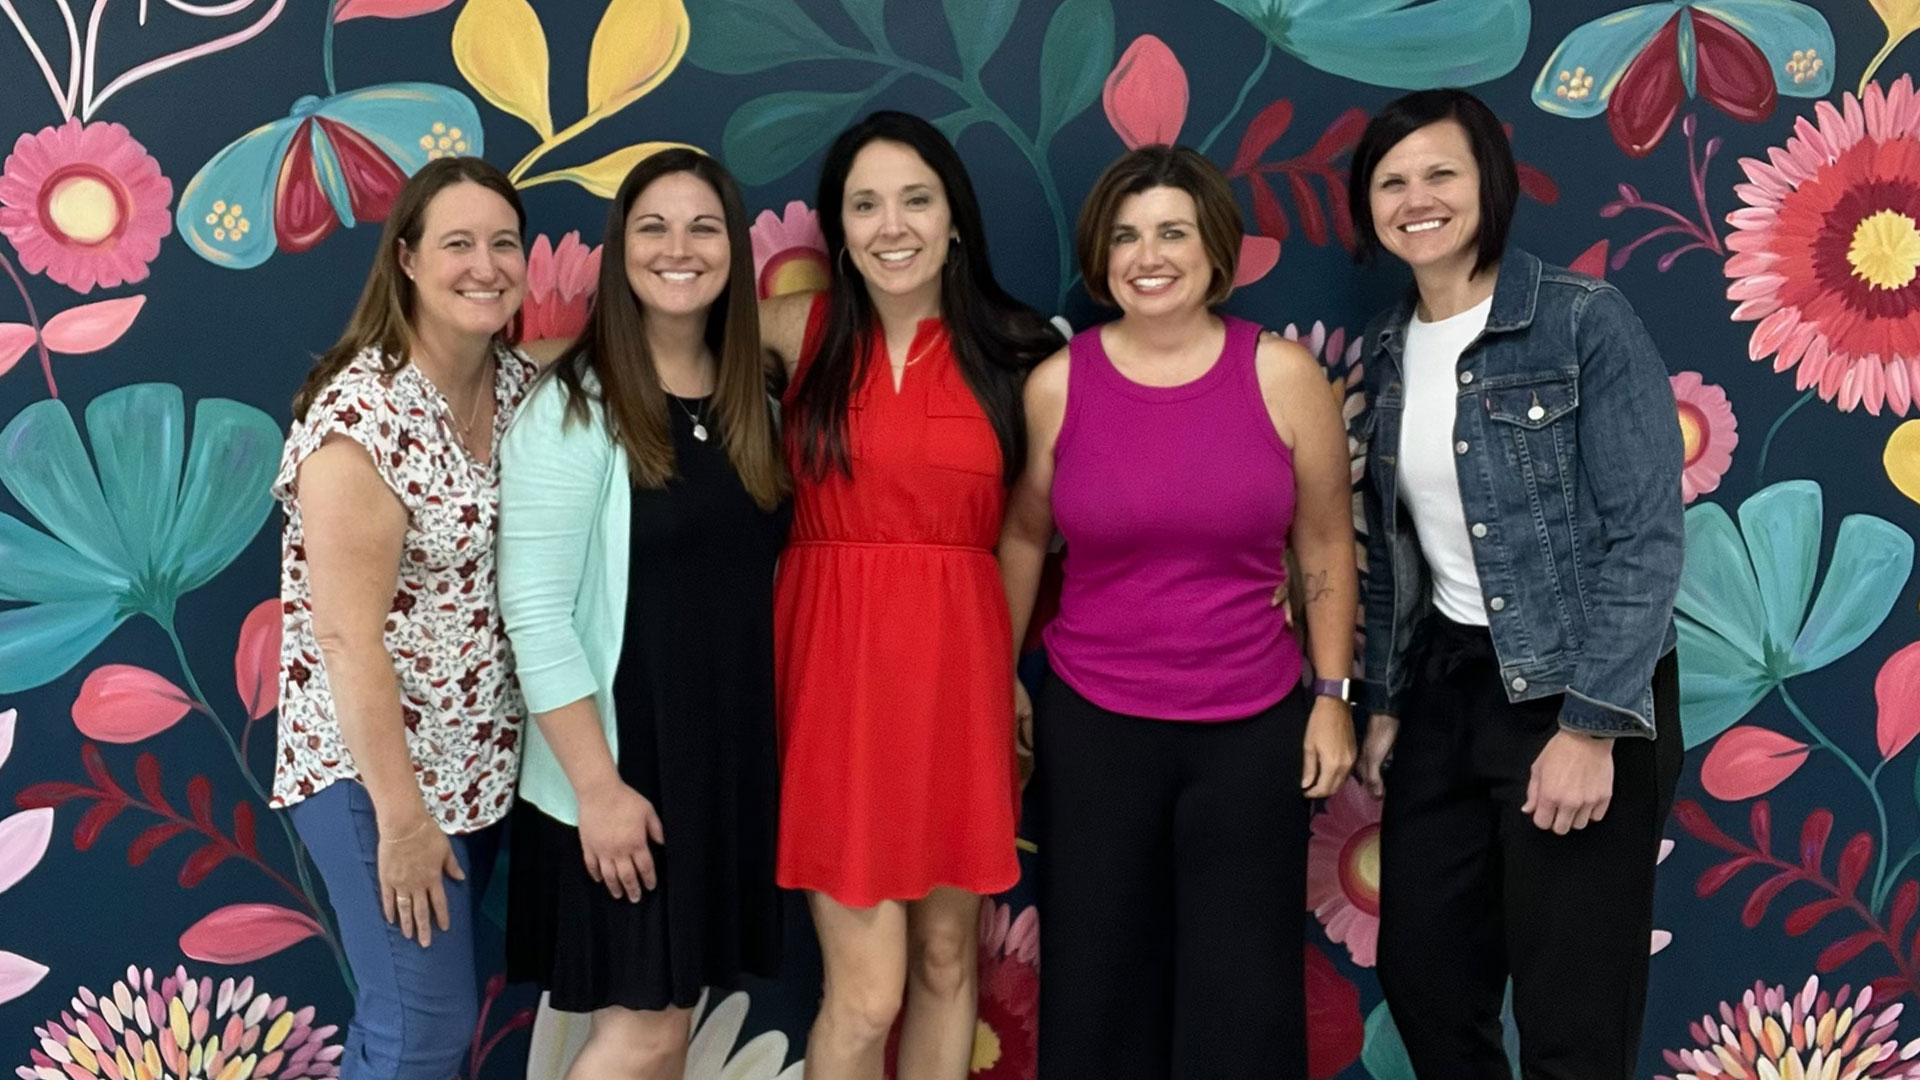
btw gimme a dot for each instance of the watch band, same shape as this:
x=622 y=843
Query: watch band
x=1340 y=689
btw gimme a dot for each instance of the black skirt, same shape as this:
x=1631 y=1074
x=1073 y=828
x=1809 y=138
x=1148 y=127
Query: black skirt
x=693 y=705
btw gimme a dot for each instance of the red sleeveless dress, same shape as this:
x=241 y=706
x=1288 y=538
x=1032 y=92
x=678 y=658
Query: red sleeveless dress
x=893 y=656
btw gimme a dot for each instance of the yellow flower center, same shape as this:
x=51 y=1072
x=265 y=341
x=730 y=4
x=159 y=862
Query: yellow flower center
x=84 y=208
x=986 y=1047
x=1885 y=252
x=800 y=269
x=1693 y=432
x=1366 y=863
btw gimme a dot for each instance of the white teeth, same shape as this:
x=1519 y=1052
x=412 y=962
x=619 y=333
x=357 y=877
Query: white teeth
x=1151 y=282
x=494 y=295
x=678 y=276
x=896 y=256
x=1422 y=226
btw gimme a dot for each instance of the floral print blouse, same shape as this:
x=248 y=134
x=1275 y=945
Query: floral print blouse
x=458 y=695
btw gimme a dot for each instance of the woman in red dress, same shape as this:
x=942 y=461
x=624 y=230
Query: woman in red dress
x=893 y=676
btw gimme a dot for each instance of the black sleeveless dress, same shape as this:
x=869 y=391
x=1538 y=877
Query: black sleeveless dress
x=693 y=700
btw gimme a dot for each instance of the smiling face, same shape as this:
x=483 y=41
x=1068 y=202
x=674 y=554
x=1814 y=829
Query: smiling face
x=1156 y=261
x=897 y=220
x=469 y=270
x=1425 y=197
x=678 y=256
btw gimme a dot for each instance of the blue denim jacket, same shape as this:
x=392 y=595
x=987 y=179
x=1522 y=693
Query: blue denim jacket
x=1569 y=454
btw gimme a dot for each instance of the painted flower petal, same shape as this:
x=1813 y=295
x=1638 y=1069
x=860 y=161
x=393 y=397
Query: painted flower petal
x=1749 y=761
x=39 y=569
x=41 y=643
x=120 y=703
x=1866 y=575
x=7 y=720
x=1410 y=45
x=91 y=327
x=1592 y=262
x=1648 y=94
x=1600 y=50
x=1897 y=691
x=226 y=211
x=637 y=45
x=256 y=663
x=1335 y=1031
x=243 y=933
x=138 y=433
x=23 y=843
x=1258 y=256
x=1782 y=525
x=15 y=340
x=393 y=118
x=1146 y=95
x=501 y=48
x=43 y=464
x=385 y=9
x=1731 y=72
x=18 y=975
x=1719 y=685
x=1717 y=587
x=1779 y=29
x=713 y=1041
x=227 y=489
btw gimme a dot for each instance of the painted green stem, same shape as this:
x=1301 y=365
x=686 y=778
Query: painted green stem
x=1246 y=88
x=326 y=48
x=1873 y=791
x=1766 y=445
x=1873 y=65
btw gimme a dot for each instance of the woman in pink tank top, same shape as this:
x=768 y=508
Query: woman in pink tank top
x=1181 y=453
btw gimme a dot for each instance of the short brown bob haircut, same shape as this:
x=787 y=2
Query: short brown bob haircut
x=1151 y=167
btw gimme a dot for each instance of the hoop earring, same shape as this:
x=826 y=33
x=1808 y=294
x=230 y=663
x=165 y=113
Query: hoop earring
x=846 y=261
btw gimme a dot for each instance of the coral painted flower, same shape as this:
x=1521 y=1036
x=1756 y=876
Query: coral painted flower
x=1827 y=251
x=1709 y=431
x=1343 y=871
x=180 y=1027
x=789 y=251
x=1006 y=1036
x=1812 y=1033
x=84 y=203
x=560 y=284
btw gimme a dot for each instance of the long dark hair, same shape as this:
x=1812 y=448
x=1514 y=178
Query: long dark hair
x=383 y=316
x=996 y=338
x=614 y=347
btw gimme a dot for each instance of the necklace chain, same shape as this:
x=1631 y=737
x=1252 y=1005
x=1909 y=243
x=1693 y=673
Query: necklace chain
x=699 y=425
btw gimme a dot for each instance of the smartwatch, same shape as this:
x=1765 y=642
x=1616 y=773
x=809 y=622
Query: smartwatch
x=1338 y=689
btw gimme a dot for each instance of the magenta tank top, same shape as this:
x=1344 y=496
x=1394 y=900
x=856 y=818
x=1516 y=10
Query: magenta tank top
x=1175 y=503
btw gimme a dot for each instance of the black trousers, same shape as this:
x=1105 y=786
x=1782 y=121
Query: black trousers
x=1472 y=892
x=1173 y=889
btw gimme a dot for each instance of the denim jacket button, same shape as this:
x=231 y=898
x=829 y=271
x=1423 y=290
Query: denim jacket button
x=1519 y=685
x=1466 y=377
x=1497 y=603
x=1460 y=447
x=1479 y=530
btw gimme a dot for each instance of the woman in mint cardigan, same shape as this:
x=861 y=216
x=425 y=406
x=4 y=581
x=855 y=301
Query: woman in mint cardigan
x=643 y=504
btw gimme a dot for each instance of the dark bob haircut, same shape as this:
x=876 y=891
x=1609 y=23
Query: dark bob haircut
x=1160 y=166
x=1401 y=117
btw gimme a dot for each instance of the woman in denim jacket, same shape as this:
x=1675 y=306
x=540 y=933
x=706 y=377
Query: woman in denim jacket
x=1523 y=550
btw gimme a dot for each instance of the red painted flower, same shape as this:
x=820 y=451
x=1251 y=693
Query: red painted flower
x=560 y=284
x=86 y=204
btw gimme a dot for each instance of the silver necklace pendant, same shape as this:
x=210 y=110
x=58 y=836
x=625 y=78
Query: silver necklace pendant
x=700 y=431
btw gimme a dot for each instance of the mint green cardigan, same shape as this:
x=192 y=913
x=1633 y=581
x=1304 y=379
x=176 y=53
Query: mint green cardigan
x=562 y=549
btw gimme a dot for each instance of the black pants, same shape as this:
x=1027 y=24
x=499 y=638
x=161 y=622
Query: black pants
x=1472 y=892
x=1174 y=893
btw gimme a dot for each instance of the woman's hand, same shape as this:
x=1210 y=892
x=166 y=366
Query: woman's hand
x=1375 y=749
x=1572 y=782
x=615 y=824
x=1327 y=756
x=1022 y=718
x=412 y=857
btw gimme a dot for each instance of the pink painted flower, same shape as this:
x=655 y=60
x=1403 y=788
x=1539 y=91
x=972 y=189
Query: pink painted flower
x=1006 y=1035
x=86 y=204
x=1708 y=430
x=1343 y=870
x=178 y=1027
x=789 y=251
x=1827 y=251
x=1812 y=1033
x=1146 y=94
x=560 y=284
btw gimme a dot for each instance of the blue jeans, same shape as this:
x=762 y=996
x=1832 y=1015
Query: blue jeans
x=414 y=1016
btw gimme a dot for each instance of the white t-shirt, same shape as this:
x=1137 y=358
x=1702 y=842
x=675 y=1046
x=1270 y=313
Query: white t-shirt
x=1429 y=480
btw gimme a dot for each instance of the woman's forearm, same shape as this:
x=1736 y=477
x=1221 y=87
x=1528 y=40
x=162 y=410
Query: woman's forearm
x=1023 y=556
x=1332 y=590
x=578 y=741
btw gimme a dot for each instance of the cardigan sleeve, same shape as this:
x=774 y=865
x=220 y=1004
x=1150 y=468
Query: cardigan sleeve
x=551 y=479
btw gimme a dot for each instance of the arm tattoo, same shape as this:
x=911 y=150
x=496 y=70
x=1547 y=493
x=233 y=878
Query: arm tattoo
x=1317 y=587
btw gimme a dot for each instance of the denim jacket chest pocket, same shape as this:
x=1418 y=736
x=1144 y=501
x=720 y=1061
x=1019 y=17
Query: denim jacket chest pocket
x=1532 y=419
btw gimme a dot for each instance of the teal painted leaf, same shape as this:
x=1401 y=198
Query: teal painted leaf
x=1408 y=44
x=1780 y=28
x=1601 y=49
x=39 y=644
x=46 y=469
x=1782 y=526
x=1717 y=586
x=227 y=490
x=979 y=26
x=952 y=124
x=1384 y=1054
x=1075 y=56
x=137 y=441
x=1872 y=559
x=770 y=136
x=739 y=37
x=871 y=17
x=39 y=569
x=1718 y=684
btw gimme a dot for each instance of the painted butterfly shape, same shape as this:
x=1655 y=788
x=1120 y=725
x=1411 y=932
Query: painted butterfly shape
x=330 y=162
x=1641 y=64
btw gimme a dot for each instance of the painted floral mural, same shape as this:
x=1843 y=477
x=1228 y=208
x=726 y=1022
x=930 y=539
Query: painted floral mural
x=189 y=192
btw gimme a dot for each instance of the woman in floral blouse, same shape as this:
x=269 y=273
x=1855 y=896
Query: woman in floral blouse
x=399 y=734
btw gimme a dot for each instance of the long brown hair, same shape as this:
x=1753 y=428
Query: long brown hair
x=614 y=347
x=383 y=316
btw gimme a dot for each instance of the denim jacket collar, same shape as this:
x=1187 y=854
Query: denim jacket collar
x=1516 y=292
